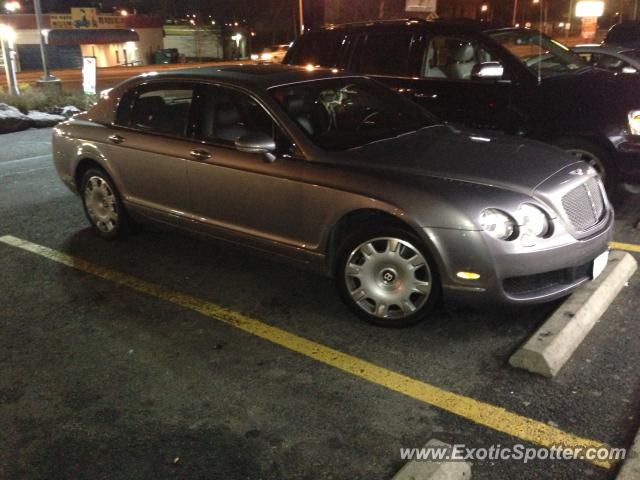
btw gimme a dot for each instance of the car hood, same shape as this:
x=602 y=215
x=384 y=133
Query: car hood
x=594 y=86
x=438 y=152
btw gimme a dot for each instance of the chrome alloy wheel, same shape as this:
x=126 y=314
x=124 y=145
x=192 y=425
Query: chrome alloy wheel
x=590 y=158
x=101 y=205
x=388 y=277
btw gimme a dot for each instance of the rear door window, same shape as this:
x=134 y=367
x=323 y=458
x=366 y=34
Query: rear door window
x=383 y=53
x=162 y=109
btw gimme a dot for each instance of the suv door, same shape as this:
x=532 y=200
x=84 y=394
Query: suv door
x=243 y=192
x=151 y=143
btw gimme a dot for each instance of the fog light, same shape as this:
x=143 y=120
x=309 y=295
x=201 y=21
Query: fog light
x=468 y=275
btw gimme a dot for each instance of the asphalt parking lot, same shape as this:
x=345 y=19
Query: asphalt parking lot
x=107 y=376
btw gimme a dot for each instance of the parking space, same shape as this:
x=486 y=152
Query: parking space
x=104 y=373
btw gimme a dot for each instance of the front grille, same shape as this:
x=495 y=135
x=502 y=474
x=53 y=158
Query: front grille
x=584 y=205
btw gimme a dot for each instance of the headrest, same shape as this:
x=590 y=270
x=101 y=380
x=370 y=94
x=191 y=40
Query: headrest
x=227 y=114
x=146 y=108
x=464 y=53
x=296 y=104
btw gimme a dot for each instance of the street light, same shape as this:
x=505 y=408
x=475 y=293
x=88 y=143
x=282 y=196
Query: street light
x=7 y=36
x=484 y=8
x=12 y=6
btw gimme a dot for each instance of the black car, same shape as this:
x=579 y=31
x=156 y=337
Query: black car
x=516 y=81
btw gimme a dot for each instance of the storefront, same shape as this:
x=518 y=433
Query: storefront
x=113 y=39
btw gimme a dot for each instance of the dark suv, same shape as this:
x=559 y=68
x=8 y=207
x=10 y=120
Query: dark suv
x=624 y=34
x=515 y=81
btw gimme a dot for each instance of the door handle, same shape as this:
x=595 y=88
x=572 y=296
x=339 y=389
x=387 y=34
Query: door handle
x=424 y=95
x=115 y=138
x=200 y=155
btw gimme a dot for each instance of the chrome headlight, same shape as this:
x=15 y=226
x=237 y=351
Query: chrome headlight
x=498 y=224
x=533 y=220
x=634 y=122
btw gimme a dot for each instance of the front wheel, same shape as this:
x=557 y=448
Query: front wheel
x=595 y=156
x=387 y=277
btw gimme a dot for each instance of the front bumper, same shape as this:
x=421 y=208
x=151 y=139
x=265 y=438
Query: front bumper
x=627 y=158
x=525 y=275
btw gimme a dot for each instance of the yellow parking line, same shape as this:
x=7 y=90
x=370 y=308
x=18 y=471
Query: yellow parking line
x=482 y=413
x=625 y=246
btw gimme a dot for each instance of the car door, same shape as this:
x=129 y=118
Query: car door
x=149 y=147
x=244 y=193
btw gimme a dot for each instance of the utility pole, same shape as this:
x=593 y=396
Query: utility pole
x=381 y=10
x=46 y=77
x=9 y=57
x=301 y=11
x=569 y=20
x=515 y=13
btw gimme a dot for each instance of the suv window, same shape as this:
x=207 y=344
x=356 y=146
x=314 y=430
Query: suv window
x=453 y=58
x=226 y=115
x=158 y=109
x=383 y=53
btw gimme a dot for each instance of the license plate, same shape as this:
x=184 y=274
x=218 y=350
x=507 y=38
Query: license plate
x=599 y=264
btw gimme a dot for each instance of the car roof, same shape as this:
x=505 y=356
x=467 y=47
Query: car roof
x=442 y=24
x=250 y=75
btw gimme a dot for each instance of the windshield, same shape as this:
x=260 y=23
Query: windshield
x=539 y=53
x=343 y=113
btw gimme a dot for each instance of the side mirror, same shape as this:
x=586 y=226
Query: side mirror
x=257 y=142
x=487 y=71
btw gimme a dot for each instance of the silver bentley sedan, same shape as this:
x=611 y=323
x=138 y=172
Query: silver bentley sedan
x=341 y=174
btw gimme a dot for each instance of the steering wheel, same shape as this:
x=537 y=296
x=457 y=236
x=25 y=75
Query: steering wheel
x=369 y=120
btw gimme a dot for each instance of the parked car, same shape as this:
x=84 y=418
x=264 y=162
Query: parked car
x=516 y=81
x=624 y=34
x=339 y=173
x=273 y=54
x=610 y=57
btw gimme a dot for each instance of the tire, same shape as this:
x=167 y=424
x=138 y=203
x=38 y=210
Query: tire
x=387 y=277
x=594 y=155
x=103 y=205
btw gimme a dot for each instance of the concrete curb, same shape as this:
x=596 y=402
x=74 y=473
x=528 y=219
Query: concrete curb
x=631 y=467
x=555 y=341
x=432 y=470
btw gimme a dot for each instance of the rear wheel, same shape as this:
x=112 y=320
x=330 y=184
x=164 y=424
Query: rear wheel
x=386 y=276
x=103 y=205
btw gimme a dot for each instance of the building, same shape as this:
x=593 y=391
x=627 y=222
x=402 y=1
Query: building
x=208 y=42
x=112 y=39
